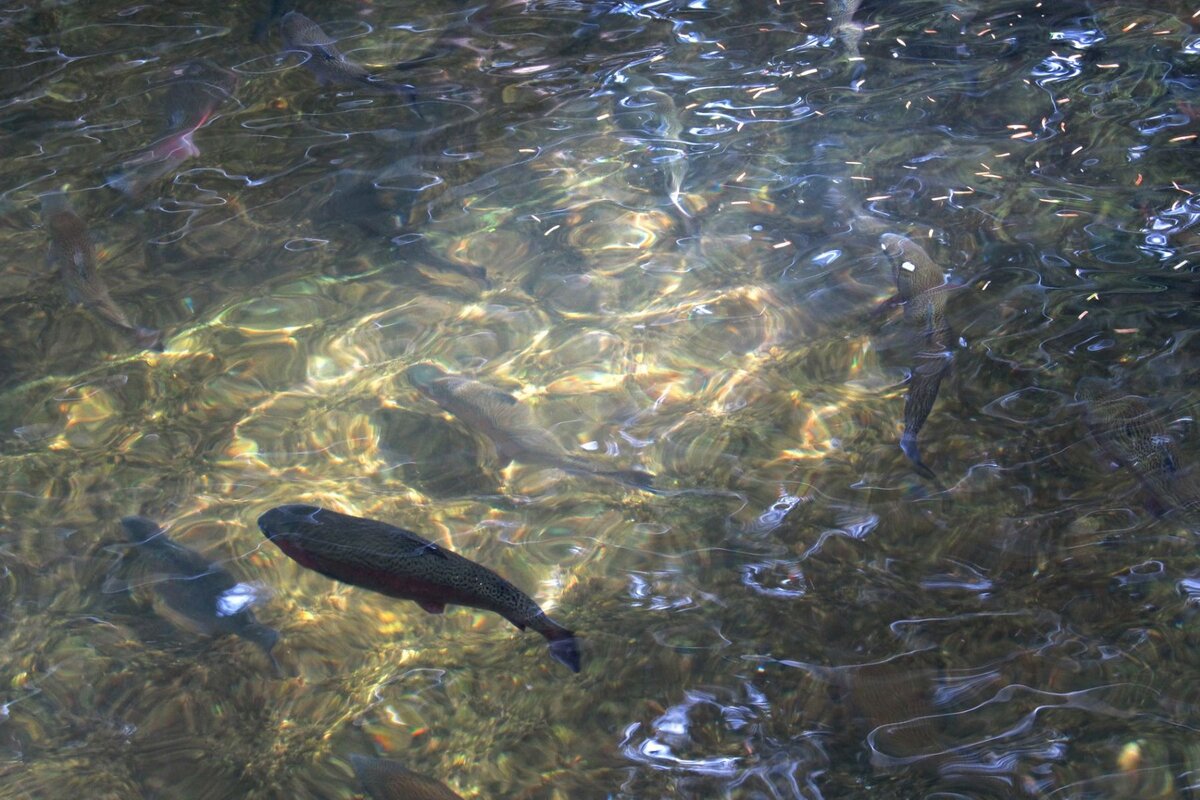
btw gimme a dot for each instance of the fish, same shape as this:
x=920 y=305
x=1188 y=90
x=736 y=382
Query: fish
x=921 y=286
x=204 y=594
x=194 y=92
x=327 y=63
x=668 y=151
x=1129 y=430
x=72 y=251
x=388 y=779
x=502 y=419
x=849 y=32
x=398 y=563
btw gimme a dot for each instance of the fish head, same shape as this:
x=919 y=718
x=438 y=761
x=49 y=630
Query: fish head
x=140 y=529
x=289 y=526
x=423 y=376
x=292 y=520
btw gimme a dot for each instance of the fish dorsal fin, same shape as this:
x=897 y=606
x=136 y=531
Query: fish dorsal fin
x=430 y=548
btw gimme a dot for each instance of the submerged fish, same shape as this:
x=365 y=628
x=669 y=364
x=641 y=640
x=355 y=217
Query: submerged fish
x=388 y=779
x=193 y=94
x=71 y=249
x=841 y=15
x=327 y=62
x=921 y=286
x=399 y=563
x=668 y=151
x=1128 y=429
x=509 y=425
x=204 y=594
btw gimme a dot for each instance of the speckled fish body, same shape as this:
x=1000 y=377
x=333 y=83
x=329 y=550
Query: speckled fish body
x=1129 y=430
x=508 y=424
x=206 y=595
x=921 y=286
x=72 y=252
x=194 y=92
x=388 y=779
x=328 y=63
x=399 y=563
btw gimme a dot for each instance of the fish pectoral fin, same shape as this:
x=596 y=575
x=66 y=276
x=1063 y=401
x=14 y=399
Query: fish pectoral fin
x=432 y=606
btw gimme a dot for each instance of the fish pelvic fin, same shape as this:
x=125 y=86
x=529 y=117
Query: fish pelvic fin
x=432 y=606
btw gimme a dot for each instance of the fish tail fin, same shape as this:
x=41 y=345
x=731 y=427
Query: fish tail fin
x=564 y=647
x=148 y=338
x=908 y=444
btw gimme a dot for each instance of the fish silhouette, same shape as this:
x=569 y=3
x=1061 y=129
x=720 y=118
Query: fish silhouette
x=399 y=563
x=328 y=63
x=194 y=92
x=921 y=287
x=1132 y=433
x=501 y=418
x=72 y=251
x=205 y=595
x=388 y=779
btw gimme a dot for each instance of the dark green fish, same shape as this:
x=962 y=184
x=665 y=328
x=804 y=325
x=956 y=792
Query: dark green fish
x=71 y=249
x=921 y=286
x=1128 y=429
x=387 y=779
x=327 y=62
x=205 y=595
x=399 y=563
x=509 y=425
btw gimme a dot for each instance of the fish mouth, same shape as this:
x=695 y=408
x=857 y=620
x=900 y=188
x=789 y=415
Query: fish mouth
x=423 y=375
x=284 y=519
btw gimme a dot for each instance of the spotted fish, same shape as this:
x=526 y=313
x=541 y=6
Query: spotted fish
x=388 y=779
x=71 y=249
x=921 y=287
x=509 y=425
x=328 y=63
x=399 y=563
x=205 y=595
x=1128 y=429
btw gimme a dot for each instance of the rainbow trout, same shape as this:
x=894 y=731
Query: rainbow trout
x=1126 y=428
x=509 y=425
x=921 y=286
x=399 y=563
x=72 y=251
x=328 y=63
x=193 y=94
x=209 y=598
x=387 y=779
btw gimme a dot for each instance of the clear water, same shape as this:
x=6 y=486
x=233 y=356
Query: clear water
x=678 y=209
